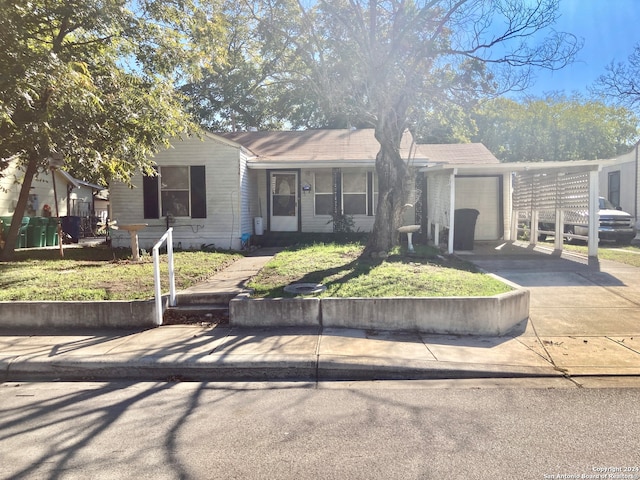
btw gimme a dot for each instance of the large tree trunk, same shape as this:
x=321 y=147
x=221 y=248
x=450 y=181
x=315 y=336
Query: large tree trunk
x=392 y=181
x=9 y=249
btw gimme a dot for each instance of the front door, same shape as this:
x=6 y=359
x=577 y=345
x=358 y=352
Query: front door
x=284 y=201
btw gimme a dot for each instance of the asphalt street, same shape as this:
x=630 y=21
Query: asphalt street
x=526 y=428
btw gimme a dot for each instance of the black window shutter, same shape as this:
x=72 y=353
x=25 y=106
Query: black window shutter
x=198 y=192
x=150 y=195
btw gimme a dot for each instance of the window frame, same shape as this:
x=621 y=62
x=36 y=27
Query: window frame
x=365 y=193
x=196 y=200
x=330 y=193
x=161 y=190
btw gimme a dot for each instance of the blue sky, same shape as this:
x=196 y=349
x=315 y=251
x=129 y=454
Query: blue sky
x=610 y=29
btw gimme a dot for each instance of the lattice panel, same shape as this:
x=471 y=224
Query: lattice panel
x=551 y=191
x=546 y=192
x=438 y=198
x=575 y=191
x=522 y=192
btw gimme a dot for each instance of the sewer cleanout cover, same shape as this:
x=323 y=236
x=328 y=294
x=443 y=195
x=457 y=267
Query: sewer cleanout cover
x=305 y=288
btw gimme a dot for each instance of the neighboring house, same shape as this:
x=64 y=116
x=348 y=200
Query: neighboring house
x=75 y=197
x=223 y=187
x=619 y=181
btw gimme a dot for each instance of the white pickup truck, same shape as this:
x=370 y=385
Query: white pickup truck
x=615 y=225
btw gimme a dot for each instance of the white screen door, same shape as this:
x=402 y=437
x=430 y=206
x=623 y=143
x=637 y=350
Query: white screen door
x=284 y=201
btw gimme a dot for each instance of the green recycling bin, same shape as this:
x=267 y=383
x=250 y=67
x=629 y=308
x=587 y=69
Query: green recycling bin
x=36 y=232
x=52 y=232
x=21 y=240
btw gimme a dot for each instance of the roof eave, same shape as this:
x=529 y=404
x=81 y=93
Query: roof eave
x=310 y=164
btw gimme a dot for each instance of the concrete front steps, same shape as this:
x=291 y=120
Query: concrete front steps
x=194 y=308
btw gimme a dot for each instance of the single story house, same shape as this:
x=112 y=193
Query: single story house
x=222 y=188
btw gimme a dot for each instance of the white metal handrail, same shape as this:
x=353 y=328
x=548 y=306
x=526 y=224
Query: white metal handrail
x=168 y=236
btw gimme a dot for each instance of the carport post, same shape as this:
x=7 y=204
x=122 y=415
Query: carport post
x=559 y=229
x=513 y=234
x=594 y=216
x=452 y=209
x=533 y=228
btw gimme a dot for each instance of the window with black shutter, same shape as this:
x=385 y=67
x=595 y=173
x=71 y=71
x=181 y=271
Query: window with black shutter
x=179 y=191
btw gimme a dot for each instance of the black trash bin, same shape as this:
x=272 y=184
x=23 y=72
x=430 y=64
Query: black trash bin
x=71 y=226
x=464 y=226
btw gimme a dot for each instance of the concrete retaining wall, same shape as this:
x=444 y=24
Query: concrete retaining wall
x=447 y=315
x=274 y=312
x=105 y=314
x=451 y=315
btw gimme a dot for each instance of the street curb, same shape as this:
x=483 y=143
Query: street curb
x=248 y=368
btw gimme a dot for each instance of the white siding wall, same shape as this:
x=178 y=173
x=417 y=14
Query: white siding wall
x=260 y=178
x=310 y=221
x=253 y=200
x=222 y=227
x=627 y=168
x=247 y=191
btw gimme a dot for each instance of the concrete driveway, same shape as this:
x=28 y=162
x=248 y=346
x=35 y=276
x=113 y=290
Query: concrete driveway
x=581 y=313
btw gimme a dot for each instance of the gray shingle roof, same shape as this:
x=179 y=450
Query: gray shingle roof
x=349 y=146
x=457 y=153
x=315 y=145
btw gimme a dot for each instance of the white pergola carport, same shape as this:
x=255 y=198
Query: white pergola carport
x=530 y=189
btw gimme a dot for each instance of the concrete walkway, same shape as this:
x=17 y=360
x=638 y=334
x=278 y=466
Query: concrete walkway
x=585 y=321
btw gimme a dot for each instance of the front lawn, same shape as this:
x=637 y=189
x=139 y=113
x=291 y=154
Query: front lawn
x=99 y=273
x=346 y=274
x=627 y=254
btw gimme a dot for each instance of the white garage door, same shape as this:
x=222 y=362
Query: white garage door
x=482 y=194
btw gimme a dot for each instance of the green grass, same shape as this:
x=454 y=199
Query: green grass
x=346 y=274
x=627 y=254
x=99 y=273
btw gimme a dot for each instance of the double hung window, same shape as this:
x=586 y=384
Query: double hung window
x=179 y=191
x=324 y=197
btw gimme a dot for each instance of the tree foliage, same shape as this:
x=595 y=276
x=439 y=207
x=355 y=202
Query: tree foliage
x=256 y=83
x=93 y=81
x=554 y=128
x=386 y=63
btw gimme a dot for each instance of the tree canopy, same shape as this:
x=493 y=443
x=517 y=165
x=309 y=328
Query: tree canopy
x=386 y=62
x=96 y=81
x=554 y=128
x=93 y=81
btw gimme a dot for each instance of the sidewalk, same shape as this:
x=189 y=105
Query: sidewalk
x=585 y=320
